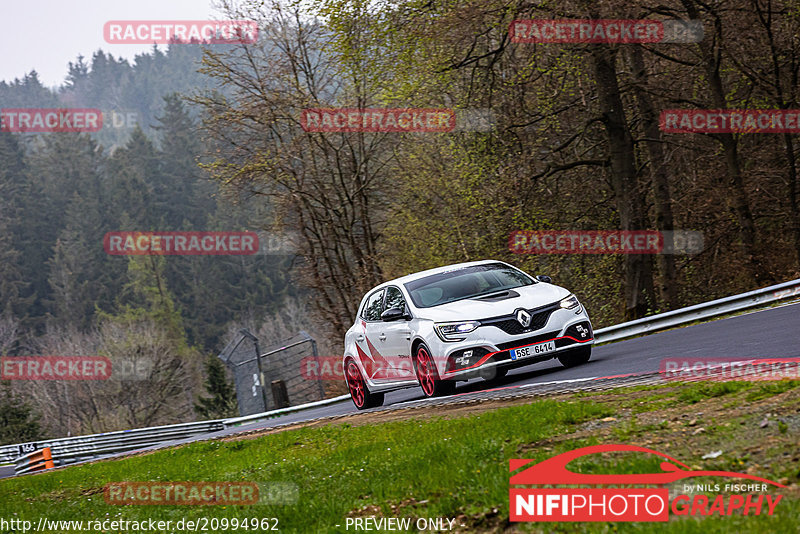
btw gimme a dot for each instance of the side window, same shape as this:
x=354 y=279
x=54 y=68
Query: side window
x=394 y=298
x=373 y=307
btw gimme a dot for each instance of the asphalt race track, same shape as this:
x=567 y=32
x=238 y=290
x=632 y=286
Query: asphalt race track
x=770 y=333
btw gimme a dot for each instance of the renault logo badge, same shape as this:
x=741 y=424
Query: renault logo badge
x=524 y=318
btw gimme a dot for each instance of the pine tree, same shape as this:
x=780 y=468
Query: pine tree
x=147 y=295
x=18 y=421
x=222 y=400
x=13 y=287
x=74 y=288
x=134 y=172
x=185 y=192
x=77 y=77
x=61 y=189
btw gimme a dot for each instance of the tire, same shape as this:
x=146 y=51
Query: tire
x=428 y=376
x=576 y=357
x=359 y=392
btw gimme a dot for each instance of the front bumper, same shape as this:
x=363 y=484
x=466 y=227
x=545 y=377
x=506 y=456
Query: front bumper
x=491 y=346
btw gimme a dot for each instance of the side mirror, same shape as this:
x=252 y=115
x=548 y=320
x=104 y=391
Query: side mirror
x=544 y=278
x=392 y=314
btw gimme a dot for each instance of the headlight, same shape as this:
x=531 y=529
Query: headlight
x=452 y=331
x=570 y=302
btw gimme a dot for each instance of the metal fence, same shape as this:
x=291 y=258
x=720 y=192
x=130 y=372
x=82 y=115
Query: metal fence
x=241 y=357
x=271 y=379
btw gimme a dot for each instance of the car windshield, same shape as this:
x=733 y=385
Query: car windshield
x=464 y=283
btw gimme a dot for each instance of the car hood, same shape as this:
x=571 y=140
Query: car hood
x=532 y=296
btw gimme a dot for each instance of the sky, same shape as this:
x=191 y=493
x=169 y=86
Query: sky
x=45 y=35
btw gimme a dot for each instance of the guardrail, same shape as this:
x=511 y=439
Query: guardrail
x=236 y=421
x=34 y=461
x=706 y=310
x=81 y=448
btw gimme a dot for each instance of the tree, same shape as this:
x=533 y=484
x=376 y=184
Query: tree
x=77 y=278
x=13 y=286
x=624 y=173
x=659 y=175
x=147 y=295
x=222 y=400
x=733 y=183
x=62 y=189
x=328 y=187
x=77 y=76
x=773 y=69
x=135 y=173
x=18 y=421
x=185 y=193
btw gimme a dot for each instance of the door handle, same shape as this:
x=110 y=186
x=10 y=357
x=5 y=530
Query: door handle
x=382 y=337
x=359 y=337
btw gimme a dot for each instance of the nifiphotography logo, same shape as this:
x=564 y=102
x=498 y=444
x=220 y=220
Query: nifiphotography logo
x=628 y=503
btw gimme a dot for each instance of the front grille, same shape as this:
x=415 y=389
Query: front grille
x=510 y=325
x=527 y=340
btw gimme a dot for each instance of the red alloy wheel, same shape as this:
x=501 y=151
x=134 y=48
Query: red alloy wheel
x=356 y=384
x=425 y=371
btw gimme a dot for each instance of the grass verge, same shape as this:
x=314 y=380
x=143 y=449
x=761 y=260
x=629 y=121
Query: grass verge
x=453 y=462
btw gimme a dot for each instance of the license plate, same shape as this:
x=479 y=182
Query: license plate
x=533 y=350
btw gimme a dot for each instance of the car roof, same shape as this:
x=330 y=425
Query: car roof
x=437 y=270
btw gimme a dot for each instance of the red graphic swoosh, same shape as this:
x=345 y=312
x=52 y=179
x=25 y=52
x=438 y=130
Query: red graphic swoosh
x=554 y=470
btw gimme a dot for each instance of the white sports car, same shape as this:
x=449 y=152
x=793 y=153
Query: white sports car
x=457 y=322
